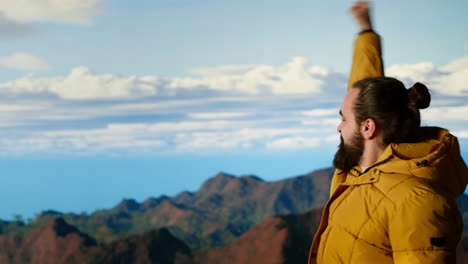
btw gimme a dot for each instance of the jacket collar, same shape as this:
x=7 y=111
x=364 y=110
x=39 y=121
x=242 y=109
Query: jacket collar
x=363 y=179
x=357 y=177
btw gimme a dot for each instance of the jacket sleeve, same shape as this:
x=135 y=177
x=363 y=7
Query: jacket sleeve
x=425 y=229
x=367 y=58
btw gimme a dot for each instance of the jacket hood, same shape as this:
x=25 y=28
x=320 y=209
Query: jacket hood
x=437 y=159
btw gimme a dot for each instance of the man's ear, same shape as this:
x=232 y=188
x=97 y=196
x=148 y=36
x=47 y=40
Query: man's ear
x=369 y=128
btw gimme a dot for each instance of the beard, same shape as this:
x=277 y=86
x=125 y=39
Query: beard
x=348 y=155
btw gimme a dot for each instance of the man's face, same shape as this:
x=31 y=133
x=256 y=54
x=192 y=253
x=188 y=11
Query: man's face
x=352 y=143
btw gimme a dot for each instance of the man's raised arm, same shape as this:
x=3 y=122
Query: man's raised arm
x=367 y=55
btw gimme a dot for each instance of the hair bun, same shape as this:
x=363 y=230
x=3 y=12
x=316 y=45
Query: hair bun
x=419 y=96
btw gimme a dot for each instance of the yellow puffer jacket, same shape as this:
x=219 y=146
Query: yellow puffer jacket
x=400 y=210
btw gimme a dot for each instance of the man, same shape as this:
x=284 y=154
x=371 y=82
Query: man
x=393 y=193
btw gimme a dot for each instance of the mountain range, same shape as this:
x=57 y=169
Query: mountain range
x=230 y=220
x=223 y=208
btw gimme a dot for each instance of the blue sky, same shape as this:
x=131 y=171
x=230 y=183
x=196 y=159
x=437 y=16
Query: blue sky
x=104 y=100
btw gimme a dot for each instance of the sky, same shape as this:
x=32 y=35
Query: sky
x=102 y=100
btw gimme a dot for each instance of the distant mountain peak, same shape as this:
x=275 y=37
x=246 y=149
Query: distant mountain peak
x=47 y=214
x=127 y=205
x=153 y=202
x=201 y=217
x=253 y=177
x=222 y=173
x=58 y=227
x=216 y=183
x=62 y=228
x=52 y=212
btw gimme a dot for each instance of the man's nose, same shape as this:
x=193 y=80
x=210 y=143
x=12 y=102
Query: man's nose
x=339 y=127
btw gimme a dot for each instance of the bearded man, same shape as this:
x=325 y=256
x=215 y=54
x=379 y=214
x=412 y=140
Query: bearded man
x=392 y=197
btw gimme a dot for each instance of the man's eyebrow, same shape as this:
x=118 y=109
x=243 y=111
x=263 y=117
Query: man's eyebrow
x=340 y=113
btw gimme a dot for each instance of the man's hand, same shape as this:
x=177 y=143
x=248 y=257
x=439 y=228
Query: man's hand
x=360 y=11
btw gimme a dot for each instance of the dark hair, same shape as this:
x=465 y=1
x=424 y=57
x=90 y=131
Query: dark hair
x=394 y=108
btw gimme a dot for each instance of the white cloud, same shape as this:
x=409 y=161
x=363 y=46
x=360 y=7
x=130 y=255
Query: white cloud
x=193 y=126
x=449 y=113
x=82 y=83
x=437 y=102
x=63 y=11
x=319 y=70
x=16 y=107
x=12 y=124
x=125 y=137
x=81 y=145
x=141 y=137
x=179 y=136
x=272 y=132
x=326 y=122
x=420 y=71
x=450 y=79
x=456 y=80
x=252 y=138
x=178 y=105
x=456 y=65
x=233 y=117
x=209 y=141
x=24 y=61
x=14 y=30
x=294 y=78
x=333 y=139
x=293 y=143
x=321 y=112
x=225 y=115
x=460 y=133
x=229 y=70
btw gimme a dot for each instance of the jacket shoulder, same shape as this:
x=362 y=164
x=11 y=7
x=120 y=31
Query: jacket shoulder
x=399 y=188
